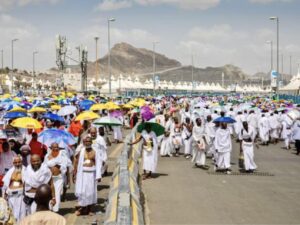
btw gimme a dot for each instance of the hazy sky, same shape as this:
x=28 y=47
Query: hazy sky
x=217 y=32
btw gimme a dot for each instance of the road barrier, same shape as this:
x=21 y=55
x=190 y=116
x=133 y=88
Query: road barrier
x=124 y=205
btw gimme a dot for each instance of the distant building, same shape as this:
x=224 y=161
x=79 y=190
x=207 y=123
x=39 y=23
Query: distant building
x=72 y=81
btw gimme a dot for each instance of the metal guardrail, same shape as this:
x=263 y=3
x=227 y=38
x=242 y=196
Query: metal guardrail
x=124 y=206
x=294 y=98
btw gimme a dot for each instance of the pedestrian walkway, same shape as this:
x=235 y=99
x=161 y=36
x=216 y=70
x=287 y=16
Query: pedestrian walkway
x=181 y=194
x=68 y=207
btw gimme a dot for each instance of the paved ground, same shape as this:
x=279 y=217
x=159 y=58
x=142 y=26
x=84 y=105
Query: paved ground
x=181 y=194
x=68 y=207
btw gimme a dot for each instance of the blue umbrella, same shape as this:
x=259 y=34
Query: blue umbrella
x=86 y=104
x=53 y=117
x=224 y=120
x=51 y=136
x=14 y=115
x=10 y=105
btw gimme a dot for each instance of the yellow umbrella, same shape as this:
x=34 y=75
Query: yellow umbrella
x=98 y=107
x=128 y=106
x=6 y=96
x=37 y=109
x=17 y=99
x=17 y=109
x=87 y=115
x=111 y=106
x=27 y=123
x=69 y=94
x=55 y=107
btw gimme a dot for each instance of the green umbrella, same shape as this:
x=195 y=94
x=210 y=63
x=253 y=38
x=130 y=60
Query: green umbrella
x=111 y=121
x=155 y=127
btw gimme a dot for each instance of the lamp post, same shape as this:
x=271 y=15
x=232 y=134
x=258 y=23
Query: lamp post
x=96 y=40
x=271 y=44
x=154 y=66
x=277 y=49
x=12 y=63
x=109 y=69
x=33 y=69
x=192 y=74
x=2 y=59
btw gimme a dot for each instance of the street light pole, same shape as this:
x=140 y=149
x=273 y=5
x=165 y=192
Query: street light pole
x=2 y=60
x=192 y=74
x=277 y=49
x=271 y=43
x=109 y=69
x=33 y=69
x=96 y=39
x=12 y=64
x=154 y=66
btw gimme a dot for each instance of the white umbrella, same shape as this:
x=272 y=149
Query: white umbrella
x=108 y=121
x=66 y=110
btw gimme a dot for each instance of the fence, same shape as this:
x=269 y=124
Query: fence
x=124 y=205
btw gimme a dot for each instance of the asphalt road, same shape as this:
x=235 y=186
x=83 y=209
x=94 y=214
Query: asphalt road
x=181 y=194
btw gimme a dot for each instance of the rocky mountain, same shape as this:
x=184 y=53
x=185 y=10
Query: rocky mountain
x=128 y=60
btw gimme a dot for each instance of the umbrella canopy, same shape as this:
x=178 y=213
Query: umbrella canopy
x=108 y=121
x=224 y=120
x=111 y=106
x=155 y=127
x=147 y=115
x=86 y=104
x=96 y=107
x=27 y=123
x=55 y=107
x=18 y=109
x=87 y=115
x=14 y=115
x=51 y=136
x=67 y=110
x=128 y=106
x=37 y=110
x=53 y=117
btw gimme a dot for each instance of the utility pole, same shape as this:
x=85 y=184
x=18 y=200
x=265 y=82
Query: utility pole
x=291 y=65
x=33 y=69
x=12 y=64
x=222 y=79
x=97 y=78
x=2 y=59
x=154 y=67
x=192 y=74
x=109 y=67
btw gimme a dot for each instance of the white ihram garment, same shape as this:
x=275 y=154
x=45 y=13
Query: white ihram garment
x=150 y=154
x=58 y=181
x=248 y=147
x=264 y=129
x=199 y=156
x=187 y=141
x=33 y=179
x=210 y=131
x=86 y=180
x=223 y=147
x=15 y=196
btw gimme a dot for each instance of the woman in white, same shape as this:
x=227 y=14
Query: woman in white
x=199 y=145
x=247 y=138
x=150 y=154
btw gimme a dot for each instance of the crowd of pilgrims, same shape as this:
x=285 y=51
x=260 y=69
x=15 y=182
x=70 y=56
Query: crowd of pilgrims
x=190 y=130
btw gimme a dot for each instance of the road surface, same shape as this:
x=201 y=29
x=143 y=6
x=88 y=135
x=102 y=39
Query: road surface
x=181 y=194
